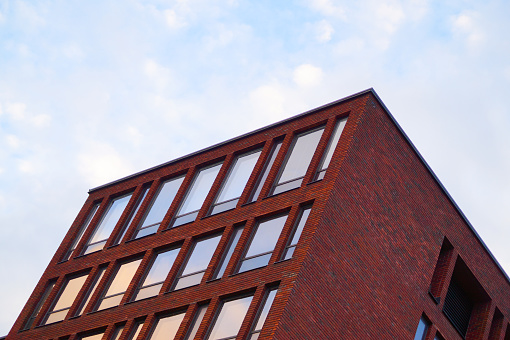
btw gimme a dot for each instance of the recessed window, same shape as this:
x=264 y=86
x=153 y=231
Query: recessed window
x=91 y=291
x=234 y=239
x=159 y=207
x=262 y=244
x=262 y=316
x=265 y=173
x=458 y=307
x=229 y=319
x=194 y=269
x=298 y=159
x=157 y=274
x=296 y=234
x=80 y=234
x=107 y=224
x=132 y=216
x=328 y=155
x=167 y=327
x=136 y=331
x=97 y=336
x=421 y=330
x=41 y=302
x=197 y=320
x=196 y=195
x=119 y=285
x=235 y=182
x=118 y=332
x=65 y=299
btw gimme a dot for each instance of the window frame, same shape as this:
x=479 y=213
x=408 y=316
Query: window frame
x=340 y=124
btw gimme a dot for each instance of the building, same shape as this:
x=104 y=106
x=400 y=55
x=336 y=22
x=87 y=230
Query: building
x=328 y=225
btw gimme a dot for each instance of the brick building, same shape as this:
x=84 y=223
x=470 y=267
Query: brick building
x=327 y=225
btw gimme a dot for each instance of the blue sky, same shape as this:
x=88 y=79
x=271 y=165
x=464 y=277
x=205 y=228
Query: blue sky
x=91 y=91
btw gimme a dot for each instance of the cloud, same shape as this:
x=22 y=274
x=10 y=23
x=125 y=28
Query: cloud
x=390 y=16
x=268 y=100
x=465 y=24
x=26 y=167
x=307 y=75
x=328 y=8
x=16 y=110
x=73 y=51
x=323 y=31
x=174 y=20
x=12 y=141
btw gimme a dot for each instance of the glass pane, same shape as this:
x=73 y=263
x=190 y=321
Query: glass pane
x=196 y=322
x=254 y=336
x=299 y=228
x=118 y=332
x=230 y=318
x=289 y=252
x=133 y=214
x=238 y=177
x=263 y=314
x=80 y=234
x=70 y=292
x=189 y=281
x=57 y=316
x=300 y=156
x=93 y=337
x=421 y=330
x=110 y=302
x=199 y=189
x=224 y=206
x=288 y=186
x=162 y=202
x=183 y=219
x=201 y=256
x=123 y=277
x=167 y=328
x=161 y=267
x=255 y=262
x=110 y=219
x=91 y=291
x=147 y=231
x=233 y=243
x=41 y=302
x=94 y=247
x=267 y=168
x=332 y=144
x=148 y=292
x=266 y=236
x=137 y=331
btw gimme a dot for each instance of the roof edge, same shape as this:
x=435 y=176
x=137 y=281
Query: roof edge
x=286 y=120
x=459 y=210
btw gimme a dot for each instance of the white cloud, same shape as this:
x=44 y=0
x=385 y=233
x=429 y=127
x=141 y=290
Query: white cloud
x=73 y=51
x=268 y=100
x=389 y=16
x=174 y=20
x=466 y=25
x=328 y=8
x=12 y=141
x=134 y=135
x=16 y=110
x=41 y=120
x=324 y=31
x=307 y=75
x=26 y=166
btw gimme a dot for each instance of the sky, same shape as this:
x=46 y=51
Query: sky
x=91 y=91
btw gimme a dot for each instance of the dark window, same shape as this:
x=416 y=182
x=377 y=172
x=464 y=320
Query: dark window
x=458 y=307
x=298 y=159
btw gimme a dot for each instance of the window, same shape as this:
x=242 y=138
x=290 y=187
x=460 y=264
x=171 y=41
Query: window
x=267 y=168
x=136 y=331
x=229 y=319
x=296 y=234
x=167 y=327
x=235 y=182
x=262 y=244
x=65 y=300
x=118 y=332
x=80 y=234
x=196 y=265
x=91 y=291
x=158 y=208
x=119 y=285
x=458 y=307
x=328 y=155
x=196 y=195
x=421 y=331
x=132 y=216
x=299 y=157
x=199 y=316
x=234 y=239
x=107 y=224
x=157 y=274
x=41 y=302
x=261 y=318
x=97 y=336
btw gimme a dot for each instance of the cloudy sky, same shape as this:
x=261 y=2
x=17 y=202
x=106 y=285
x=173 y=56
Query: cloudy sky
x=91 y=91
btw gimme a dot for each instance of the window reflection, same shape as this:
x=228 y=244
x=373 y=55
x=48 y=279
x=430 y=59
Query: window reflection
x=91 y=291
x=196 y=195
x=166 y=328
x=199 y=316
x=98 y=336
x=262 y=244
x=328 y=155
x=261 y=318
x=154 y=279
x=158 y=208
x=41 y=302
x=78 y=237
x=296 y=234
x=235 y=182
x=107 y=224
x=299 y=157
x=230 y=318
x=65 y=300
x=197 y=263
x=234 y=239
x=267 y=168
x=132 y=216
x=421 y=331
x=119 y=285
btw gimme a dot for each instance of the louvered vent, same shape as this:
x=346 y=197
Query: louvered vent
x=457 y=307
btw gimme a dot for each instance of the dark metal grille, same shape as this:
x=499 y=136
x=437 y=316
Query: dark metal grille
x=457 y=307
